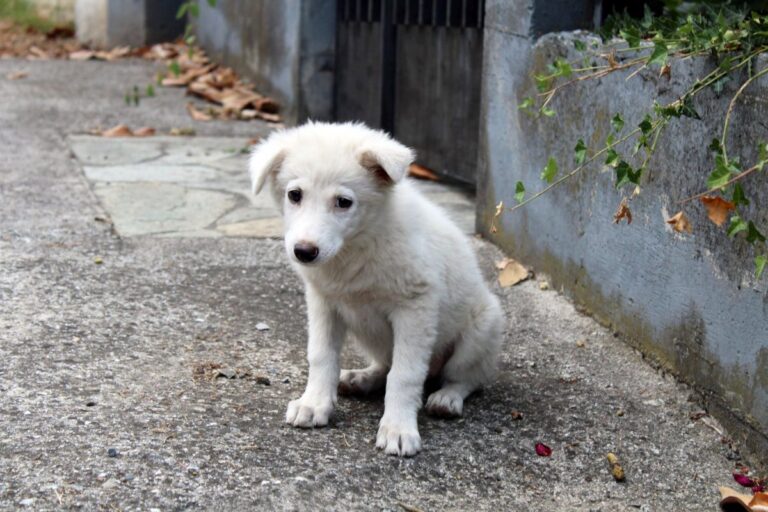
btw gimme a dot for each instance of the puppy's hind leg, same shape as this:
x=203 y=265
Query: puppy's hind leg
x=363 y=381
x=473 y=362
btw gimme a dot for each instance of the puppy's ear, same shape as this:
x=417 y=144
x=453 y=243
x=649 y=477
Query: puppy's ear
x=386 y=159
x=266 y=159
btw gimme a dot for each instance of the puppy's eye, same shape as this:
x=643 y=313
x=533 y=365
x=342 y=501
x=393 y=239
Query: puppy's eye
x=343 y=202
x=294 y=196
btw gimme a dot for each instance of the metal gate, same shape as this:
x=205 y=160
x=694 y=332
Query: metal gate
x=413 y=68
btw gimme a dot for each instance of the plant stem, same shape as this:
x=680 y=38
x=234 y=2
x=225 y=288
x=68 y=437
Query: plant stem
x=736 y=178
x=732 y=105
x=575 y=171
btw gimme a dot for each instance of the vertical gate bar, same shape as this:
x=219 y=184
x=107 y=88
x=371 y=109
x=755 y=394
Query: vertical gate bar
x=448 y=13
x=464 y=5
x=388 y=65
x=480 y=13
x=421 y=12
x=370 y=11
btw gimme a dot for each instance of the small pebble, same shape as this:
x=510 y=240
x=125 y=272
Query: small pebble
x=110 y=484
x=27 y=502
x=544 y=285
x=286 y=380
x=193 y=470
x=261 y=326
x=112 y=452
x=97 y=260
x=264 y=381
x=581 y=343
x=90 y=404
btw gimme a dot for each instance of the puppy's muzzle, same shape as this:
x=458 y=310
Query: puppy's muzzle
x=305 y=252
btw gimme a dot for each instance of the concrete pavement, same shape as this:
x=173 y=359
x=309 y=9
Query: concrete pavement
x=124 y=312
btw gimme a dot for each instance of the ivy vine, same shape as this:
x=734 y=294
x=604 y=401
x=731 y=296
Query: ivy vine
x=732 y=37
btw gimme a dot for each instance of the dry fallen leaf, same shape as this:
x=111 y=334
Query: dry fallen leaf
x=680 y=223
x=516 y=415
x=144 y=131
x=512 y=273
x=581 y=343
x=734 y=501
x=717 y=208
x=182 y=132
x=196 y=114
x=665 y=71
x=17 y=75
x=82 y=55
x=423 y=173
x=616 y=470
x=120 y=130
x=611 y=58
x=499 y=209
x=622 y=213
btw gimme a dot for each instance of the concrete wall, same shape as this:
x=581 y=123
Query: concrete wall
x=108 y=23
x=285 y=47
x=689 y=302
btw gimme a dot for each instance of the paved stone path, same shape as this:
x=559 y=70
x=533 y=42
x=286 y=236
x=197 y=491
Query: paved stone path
x=136 y=373
x=171 y=186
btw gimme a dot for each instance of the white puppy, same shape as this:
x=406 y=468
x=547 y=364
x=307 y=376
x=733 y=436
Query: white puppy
x=385 y=265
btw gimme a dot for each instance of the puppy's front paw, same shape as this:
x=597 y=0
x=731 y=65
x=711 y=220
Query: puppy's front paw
x=398 y=438
x=309 y=412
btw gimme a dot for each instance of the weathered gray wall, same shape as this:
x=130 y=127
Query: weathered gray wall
x=284 y=47
x=690 y=302
x=108 y=23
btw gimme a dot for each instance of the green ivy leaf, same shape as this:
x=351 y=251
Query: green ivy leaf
x=617 y=122
x=550 y=170
x=545 y=110
x=760 y=262
x=612 y=158
x=737 y=226
x=645 y=125
x=150 y=91
x=753 y=234
x=519 y=192
x=738 y=197
x=561 y=67
x=762 y=155
x=175 y=68
x=631 y=35
x=715 y=146
x=580 y=152
x=543 y=82
x=579 y=45
x=625 y=174
x=526 y=104
x=183 y=9
x=660 y=54
x=212 y=3
x=720 y=176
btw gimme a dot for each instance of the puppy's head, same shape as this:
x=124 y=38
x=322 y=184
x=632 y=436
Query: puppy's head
x=330 y=181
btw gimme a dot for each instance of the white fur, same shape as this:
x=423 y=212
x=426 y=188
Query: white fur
x=393 y=272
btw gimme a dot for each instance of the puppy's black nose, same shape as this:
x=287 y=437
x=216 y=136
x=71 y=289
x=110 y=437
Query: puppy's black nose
x=305 y=252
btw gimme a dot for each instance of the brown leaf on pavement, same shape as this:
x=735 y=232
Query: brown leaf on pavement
x=144 y=131
x=120 y=130
x=186 y=77
x=422 y=173
x=82 y=55
x=680 y=223
x=622 y=213
x=666 y=71
x=511 y=272
x=17 y=75
x=205 y=91
x=38 y=53
x=717 y=208
x=196 y=114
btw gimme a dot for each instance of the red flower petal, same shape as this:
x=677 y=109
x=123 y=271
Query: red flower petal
x=758 y=488
x=743 y=480
x=543 y=450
